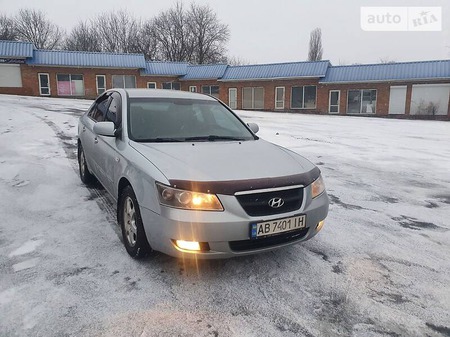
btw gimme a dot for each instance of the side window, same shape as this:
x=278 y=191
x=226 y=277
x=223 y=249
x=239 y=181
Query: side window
x=114 y=112
x=98 y=111
x=92 y=110
x=102 y=109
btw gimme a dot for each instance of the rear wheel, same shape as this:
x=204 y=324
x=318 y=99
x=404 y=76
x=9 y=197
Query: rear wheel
x=130 y=221
x=85 y=176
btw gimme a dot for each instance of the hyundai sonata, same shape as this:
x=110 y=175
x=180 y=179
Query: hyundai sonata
x=191 y=179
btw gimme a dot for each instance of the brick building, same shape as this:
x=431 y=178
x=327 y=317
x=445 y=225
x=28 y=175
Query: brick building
x=402 y=90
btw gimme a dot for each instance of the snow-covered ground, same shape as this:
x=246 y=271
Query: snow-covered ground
x=380 y=266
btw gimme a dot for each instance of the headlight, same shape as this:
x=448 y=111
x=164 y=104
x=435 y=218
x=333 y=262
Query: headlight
x=317 y=187
x=174 y=197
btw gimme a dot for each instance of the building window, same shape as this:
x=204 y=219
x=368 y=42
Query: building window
x=70 y=85
x=10 y=75
x=252 y=98
x=212 y=90
x=279 y=97
x=430 y=99
x=232 y=98
x=44 y=85
x=397 y=99
x=151 y=85
x=123 y=81
x=333 y=104
x=171 y=85
x=362 y=101
x=193 y=88
x=303 y=97
x=101 y=84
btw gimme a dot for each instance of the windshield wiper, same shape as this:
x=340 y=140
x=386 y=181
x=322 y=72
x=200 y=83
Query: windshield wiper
x=212 y=138
x=160 y=140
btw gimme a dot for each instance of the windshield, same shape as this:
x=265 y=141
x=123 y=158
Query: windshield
x=179 y=120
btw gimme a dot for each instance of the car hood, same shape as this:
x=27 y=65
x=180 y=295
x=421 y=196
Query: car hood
x=226 y=161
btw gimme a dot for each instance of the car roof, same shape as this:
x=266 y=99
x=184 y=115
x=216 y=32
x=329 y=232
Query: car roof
x=165 y=93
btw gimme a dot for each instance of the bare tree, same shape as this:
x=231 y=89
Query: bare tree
x=7 y=30
x=209 y=35
x=83 y=37
x=238 y=61
x=32 y=26
x=118 y=31
x=195 y=35
x=146 y=42
x=173 y=34
x=315 y=45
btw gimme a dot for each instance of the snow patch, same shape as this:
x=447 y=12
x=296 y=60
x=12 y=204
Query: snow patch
x=7 y=295
x=379 y=267
x=25 y=264
x=26 y=248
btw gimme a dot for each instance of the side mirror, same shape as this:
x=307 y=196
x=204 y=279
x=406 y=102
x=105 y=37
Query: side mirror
x=254 y=127
x=105 y=129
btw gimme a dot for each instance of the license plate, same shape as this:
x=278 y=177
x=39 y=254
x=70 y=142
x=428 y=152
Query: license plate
x=272 y=227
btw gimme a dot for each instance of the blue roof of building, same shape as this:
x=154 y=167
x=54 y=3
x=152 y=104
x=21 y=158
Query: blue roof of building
x=87 y=59
x=276 y=70
x=388 y=72
x=205 y=71
x=161 y=68
x=16 y=49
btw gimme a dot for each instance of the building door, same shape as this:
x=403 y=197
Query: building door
x=279 y=97
x=333 y=107
x=44 y=85
x=232 y=98
x=101 y=84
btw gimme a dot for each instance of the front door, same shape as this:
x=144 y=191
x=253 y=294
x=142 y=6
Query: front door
x=108 y=148
x=88 y=138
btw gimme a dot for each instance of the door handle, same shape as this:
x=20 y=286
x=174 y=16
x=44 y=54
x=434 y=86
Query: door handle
x=84 y=129
x=95 y=140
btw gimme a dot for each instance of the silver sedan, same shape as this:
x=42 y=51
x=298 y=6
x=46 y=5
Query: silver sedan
x=191 y=179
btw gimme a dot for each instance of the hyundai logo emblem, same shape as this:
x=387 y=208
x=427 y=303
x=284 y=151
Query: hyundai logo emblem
x=276 y=202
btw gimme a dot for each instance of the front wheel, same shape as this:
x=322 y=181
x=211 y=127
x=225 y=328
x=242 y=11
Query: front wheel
x=85 y=176
x=129 y=217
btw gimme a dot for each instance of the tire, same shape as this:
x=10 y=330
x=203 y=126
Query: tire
x=85 y=175
x=129 y=218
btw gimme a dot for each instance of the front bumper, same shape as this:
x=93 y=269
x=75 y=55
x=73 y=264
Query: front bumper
x=227 y=229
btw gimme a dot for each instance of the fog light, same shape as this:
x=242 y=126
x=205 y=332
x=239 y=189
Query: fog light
x=320 y=225
x=188 y=245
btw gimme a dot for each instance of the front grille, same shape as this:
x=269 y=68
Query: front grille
x=270 y=241
x=257 y=204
